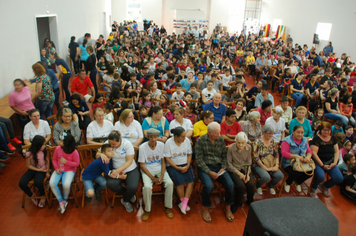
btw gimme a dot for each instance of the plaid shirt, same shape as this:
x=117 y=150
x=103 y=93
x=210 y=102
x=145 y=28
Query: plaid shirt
x=207 y=153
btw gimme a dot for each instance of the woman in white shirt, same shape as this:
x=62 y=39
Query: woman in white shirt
x=178 y=154
x=99 y=129
x=130 y=128
x=180 y=121
x=277 y=123
x=123 y=165
x=36 y=127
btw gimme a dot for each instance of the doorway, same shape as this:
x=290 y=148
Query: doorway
x=46 y=29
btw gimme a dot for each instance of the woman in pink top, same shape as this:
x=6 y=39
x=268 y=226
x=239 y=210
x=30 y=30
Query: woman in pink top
x=20 y=101
x=65 y=162
x=38 y=168
x=265 y=111
x=346 y=107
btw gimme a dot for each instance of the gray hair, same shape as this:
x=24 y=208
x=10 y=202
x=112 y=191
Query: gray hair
x=253 y=115
x=267 y=128
x=212 y=126
x=241 y=136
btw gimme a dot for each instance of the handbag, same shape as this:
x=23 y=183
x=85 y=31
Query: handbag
x=303 y=167
x=269 y=161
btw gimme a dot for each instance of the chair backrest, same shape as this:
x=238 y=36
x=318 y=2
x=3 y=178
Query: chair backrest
x=86 y=153
x=136 y=154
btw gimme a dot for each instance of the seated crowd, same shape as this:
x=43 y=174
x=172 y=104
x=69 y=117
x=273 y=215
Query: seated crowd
x=174 y=109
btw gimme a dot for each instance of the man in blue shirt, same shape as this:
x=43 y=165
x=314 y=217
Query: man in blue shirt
x=317 y=59
x=217 y=108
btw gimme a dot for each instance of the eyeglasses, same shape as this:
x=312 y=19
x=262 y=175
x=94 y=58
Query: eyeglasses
x=326 y=130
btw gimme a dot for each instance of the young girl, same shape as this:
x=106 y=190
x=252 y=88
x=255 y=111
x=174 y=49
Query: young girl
x=128 y=91
x=346 y=108
x=65 y=162
x=153 y=88
x=99 y=101
x=165 y=101
x=146 y=99
x=346 y=147
x=190 y=113
x=108 y=112
x=318 y=118
x=285 y=81
x=169 y=115
x=38 y=168
x=136 y=99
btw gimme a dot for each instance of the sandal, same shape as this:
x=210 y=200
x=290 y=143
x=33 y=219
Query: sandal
x=42 y=202
x=229 y=216
x=206 y=216
x=34 y=200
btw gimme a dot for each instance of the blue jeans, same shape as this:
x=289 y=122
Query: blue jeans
x=319 y=176
x=208 y=186
x=266 y=176
x=93 y=79
x=57 y=93
x=100 y=180
x=45 y=108
x=65 y=83
x=3 y=143
x=334 y=116
x=67 y=178
x=297 y=97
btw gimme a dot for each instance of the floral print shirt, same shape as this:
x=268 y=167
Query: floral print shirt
x=47 y=94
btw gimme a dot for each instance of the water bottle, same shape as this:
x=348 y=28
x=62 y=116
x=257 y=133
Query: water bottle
x=61 y=167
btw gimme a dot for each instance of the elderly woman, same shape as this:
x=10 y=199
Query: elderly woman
x=265 y=111
x=44 y=91
x=301 y=111
x=65 y=125
x=20 y=101
x=80 y=111
x=99 y=129
x=268 y=173
x=199 y=128
x=326 y=156
x=130 y=128
x=36 y=127
x=287 y=113
x=178 y=154
x=238 y=165
x=157 y=121
x=331 y=108
x=277 y=123
x=123 y=162
x=180 y=121
x=241 y=114
x=252 y=127
x=295 y=146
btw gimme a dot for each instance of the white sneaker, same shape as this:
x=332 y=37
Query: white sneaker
x=181 y=209
x=259 y=191
x=313 y=194
x=133 y=199
x=286 y=188
x=272 y=191
x=298 y=188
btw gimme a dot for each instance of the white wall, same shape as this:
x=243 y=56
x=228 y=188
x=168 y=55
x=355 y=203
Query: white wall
x=152 y=10
x=118 y=11
x=302 y=16
x=19 y=34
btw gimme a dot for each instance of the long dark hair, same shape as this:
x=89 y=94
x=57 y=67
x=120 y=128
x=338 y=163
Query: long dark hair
x=21 y=81
x=155 y=110
x=68 y=144
x=72 y=40
x=36 y=145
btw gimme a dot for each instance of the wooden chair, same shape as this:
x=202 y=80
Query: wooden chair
x=105 y=94
x=86 y=153
x=116 y=195
x=292 y=103
x=32 y=186
x=73 y=186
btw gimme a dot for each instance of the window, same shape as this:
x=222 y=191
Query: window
x=323 y=30
x=134 y=10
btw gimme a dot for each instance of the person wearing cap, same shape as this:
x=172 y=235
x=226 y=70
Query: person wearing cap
x=142 y=73
x=297 y=88
x=147 y=79
x=287 y=112
x=211 y=159
x=153 y=170
x=264 y=95
x=278 y=124
x=217 y=108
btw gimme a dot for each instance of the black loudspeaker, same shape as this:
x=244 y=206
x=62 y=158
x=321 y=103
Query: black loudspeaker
x=290 y=216
x=316 y=39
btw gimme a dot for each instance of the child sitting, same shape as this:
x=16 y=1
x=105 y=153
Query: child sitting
x=347 y=184
x=340 y=137
x=349 y=130
x=348 y=162
x=201 y=84
x=169 y=115
x=143 y=112
x=108 y=112
x=337 y=127
x=265 y=73
x=226 y=79
x=98 y=102
x=190 y=112
x=146 y=99
x=317 y=119
x=285 y=81
x=193 y=91
x=178 y=94
x=93 y=173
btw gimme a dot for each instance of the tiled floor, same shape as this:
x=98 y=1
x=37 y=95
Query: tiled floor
x=100 y=219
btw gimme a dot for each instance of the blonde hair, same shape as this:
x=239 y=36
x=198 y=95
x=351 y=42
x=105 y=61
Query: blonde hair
x=332 y=92
x=301 y=108
x=125 y=113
